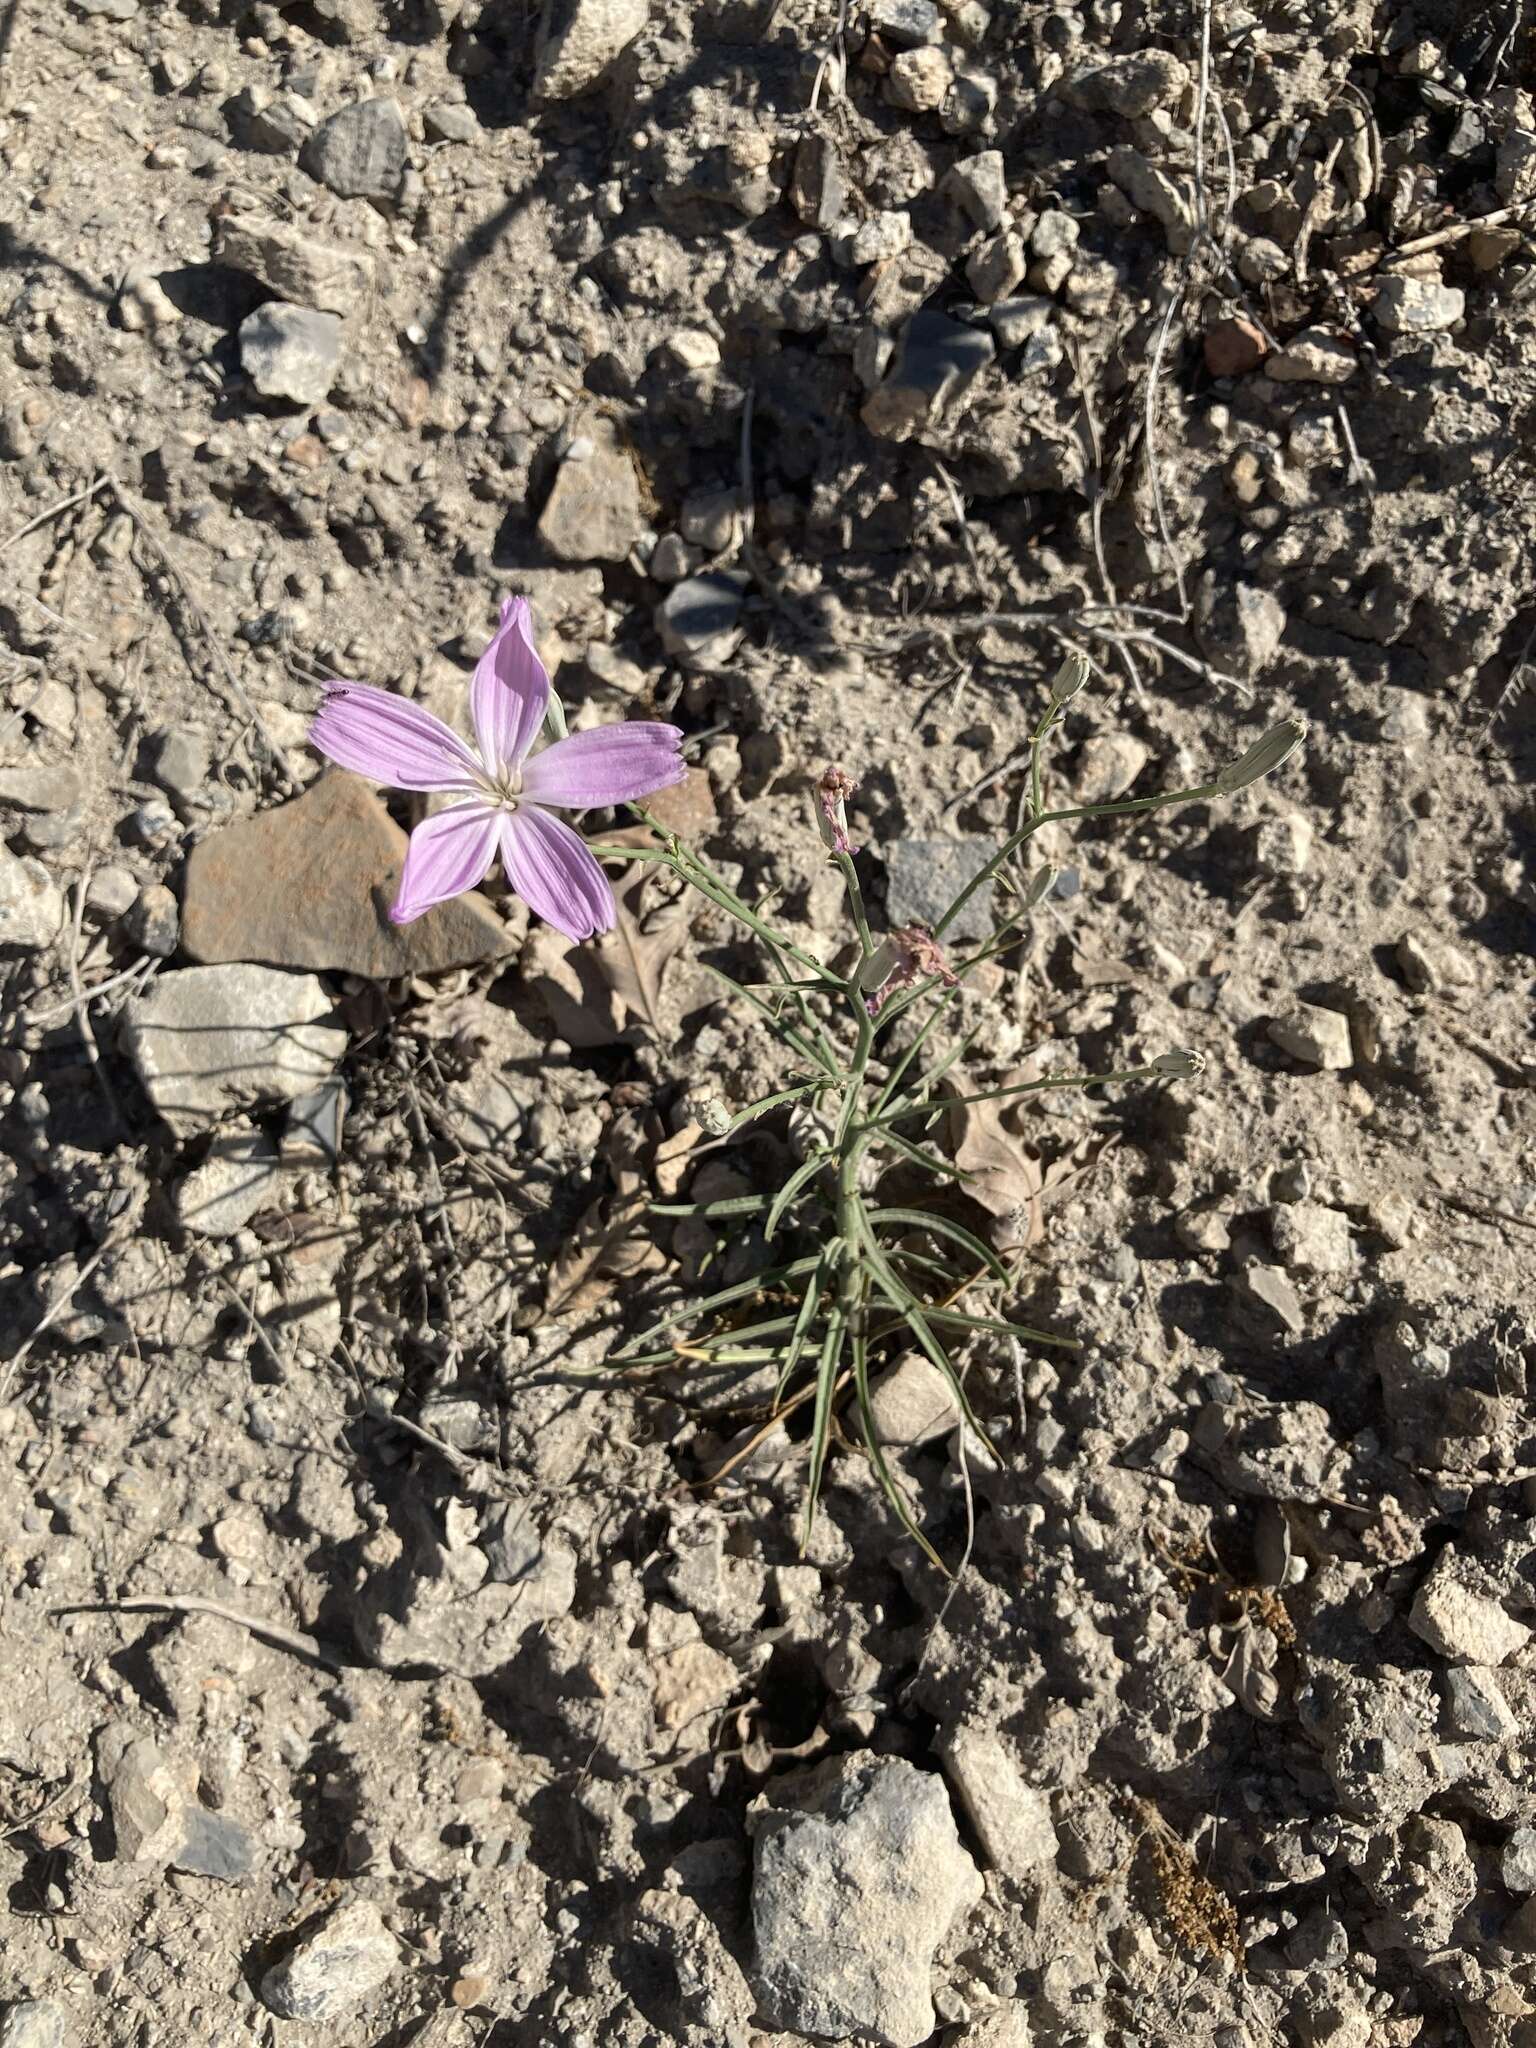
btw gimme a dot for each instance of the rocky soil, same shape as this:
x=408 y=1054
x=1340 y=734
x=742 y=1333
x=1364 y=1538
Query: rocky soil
x=375 y=1668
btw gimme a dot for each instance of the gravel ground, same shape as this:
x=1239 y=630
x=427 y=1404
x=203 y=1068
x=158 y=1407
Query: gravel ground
x=377 y=1669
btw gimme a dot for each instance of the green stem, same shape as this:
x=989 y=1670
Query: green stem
x=896 y=1116
x=856 y=904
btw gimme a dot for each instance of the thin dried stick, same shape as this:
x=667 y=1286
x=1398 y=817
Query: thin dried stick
x=236 y=688
x=273 y=1632
x=52 y=1312
x=53 y=511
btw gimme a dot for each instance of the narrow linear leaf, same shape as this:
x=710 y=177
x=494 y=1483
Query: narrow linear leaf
x=821 y=1420
x=941 y=1226
x=876 y=1449
x=920 y=1156
x=810 y=1302
x=759 y=1284
x=907 y=1306
x=802 y=1176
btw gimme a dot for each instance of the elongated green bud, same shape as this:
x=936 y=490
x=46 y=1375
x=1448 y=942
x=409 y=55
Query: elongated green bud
x=1070 y=678
x=1038 y=887
x=1182 y=1065
x=1264 y=756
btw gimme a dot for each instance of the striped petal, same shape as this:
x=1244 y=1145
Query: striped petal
x=611 y=764
x=550 y=868
x=509 y=691
x=448 y=853
x=390 y=740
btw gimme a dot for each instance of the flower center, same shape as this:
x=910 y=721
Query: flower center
x=505 y=788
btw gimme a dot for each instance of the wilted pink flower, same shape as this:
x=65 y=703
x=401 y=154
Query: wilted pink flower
x=832 y=794
x=907 y=955
x=506 y=799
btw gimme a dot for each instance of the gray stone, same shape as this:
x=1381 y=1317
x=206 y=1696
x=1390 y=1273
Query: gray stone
x=1239 y=625
x=979 y=187
x=1514 y=175
x=154 y=922
x=40 y=786
x=858 y=1875
x=1151 y=190
x=1107 y=765
x=214 y=1845
x=1314 y=356
x=181 y=760
x=299 y=268
x=1316 y=1036
x=1475 y=1707
x=938 y=360
x=911 y=1404
x=924 y=876
x=275 y=125
x=359 y=153
x=209 y=1039
x=337 y=1964
x=1459 y=1613
x=109 y=10
x=905 y=24
x=699 y=619
x=997 y=269
x=818 y=186
x=312 y=1131
x=451 y=121
x=1012 y=1818
x=241 y=1175
x=1312 y=1239
x=579 y=42
x=593 y=511
x=1017 y=321
x=1270 y=1289
x=879 y=238
x=1417 y=305
x=290 y=351
x=919 y=80
x=111 y=891
x=34 y=2023
x=1517 y=1861
x=31 y=903
x=1137 y=83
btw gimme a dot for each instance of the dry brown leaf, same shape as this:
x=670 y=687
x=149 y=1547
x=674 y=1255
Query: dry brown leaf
x=1005 y=1176
x=608 y=1244
x=634 y=957
x=597 y=993
x=672 y=1159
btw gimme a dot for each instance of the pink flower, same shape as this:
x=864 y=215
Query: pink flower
x=506 y=801
x=833 y=791
x=909 y=954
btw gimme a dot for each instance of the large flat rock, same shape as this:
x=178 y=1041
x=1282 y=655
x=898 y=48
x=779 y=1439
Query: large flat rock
x=310 y=885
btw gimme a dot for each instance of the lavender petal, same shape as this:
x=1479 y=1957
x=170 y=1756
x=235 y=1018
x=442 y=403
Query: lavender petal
x=550 y=868
x=390 y=740
x=449 y=853
x=509 y=691
x=611 y=764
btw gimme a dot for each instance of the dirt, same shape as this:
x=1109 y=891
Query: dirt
x=371 y=1651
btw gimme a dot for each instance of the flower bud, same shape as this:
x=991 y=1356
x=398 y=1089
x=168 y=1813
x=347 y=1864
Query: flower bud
x=1263 y=757
x=1182 y=1065
x=1070 y=678
x=1038 y=887
x=554 y=717
x=708 y=1111
x=832 y=793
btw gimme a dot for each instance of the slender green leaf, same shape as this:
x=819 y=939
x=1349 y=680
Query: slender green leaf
x=728 y=1205
x=876 y=1449
x=1003 y=1329
x=821 y=1420
x=941 y=1226
x=800 y=1178
x=769 y=1102
x=810 y=1301
x=760 y=1284
x=920 y=1156
x=906 y=1303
